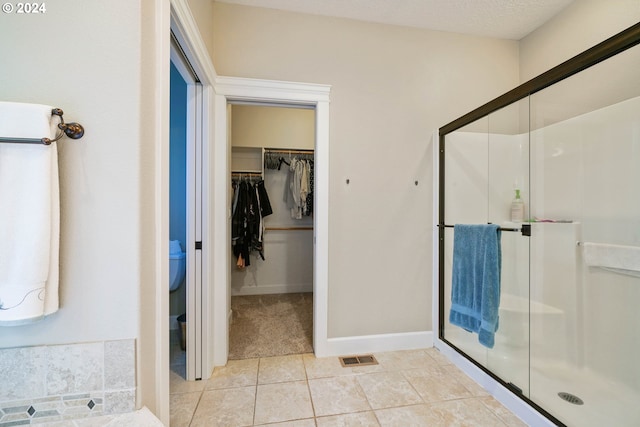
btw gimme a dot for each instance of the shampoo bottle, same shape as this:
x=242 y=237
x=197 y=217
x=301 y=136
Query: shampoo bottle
x=517 y=208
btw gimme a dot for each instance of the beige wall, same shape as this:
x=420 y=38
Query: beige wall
x=391 y=88
x=202 y=11
x=272 y=127
x=583 y=24
x=92 y=71
x=88 y=58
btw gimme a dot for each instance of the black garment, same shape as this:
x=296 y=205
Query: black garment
x=252 y=205
x=245 y=221
x=310 y=194
x=265 y=204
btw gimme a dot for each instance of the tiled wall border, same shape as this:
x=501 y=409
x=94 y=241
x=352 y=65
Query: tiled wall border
x=64 y=382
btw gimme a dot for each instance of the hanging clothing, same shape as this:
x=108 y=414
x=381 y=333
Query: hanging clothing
x=305 y=196
x=251 y=205
x=265 y=205
x=289 y=186
x=240 y=224
x=309 y=210
x=298 y=188
x=295 y=178
x=304 y=186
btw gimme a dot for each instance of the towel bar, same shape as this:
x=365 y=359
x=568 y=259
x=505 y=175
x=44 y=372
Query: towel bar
x=525 y=229
x=501 y=228
x=72 y=130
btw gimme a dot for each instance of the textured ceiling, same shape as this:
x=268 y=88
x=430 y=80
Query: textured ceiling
x=506 y=19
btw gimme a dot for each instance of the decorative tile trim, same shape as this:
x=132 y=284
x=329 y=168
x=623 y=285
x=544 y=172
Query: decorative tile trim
x=66 y=382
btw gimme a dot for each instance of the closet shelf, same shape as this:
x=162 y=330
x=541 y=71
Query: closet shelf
x=288 y=151
x=288 y=228
x=247 y=172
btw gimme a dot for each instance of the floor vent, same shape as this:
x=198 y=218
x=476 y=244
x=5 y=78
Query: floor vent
x=568 y=397
x=363 y=360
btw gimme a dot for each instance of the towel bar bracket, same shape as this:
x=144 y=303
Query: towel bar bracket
x=72 y=130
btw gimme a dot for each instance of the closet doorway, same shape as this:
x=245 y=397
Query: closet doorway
x=272 y=248
x=236 y=90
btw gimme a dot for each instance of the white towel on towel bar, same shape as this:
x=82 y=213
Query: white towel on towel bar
x=616 y=258
x=29 y=215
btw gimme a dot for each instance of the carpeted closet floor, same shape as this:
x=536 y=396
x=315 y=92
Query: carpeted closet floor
x=271 y=325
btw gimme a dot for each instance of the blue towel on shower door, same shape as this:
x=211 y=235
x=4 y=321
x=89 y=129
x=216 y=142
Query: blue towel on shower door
x=475 y=290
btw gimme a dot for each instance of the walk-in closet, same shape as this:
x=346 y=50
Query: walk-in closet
x=271 y=199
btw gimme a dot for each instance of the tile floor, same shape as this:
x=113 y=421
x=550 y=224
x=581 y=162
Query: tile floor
x=406 y=388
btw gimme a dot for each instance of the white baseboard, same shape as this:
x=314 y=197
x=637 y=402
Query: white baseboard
x=379 y=343
x=272 y=289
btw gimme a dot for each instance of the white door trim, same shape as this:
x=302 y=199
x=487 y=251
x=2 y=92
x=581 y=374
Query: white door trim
x=194 y=213
x=229 y=89
x=185 y=30
x=194 y=233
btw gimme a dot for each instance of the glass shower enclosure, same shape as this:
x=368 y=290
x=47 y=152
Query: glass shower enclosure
x=568 y=340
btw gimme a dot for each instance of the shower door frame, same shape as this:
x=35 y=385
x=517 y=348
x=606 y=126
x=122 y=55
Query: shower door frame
x=612 y=46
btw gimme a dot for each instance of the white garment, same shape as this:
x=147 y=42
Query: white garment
x=288 y=196
x=304 y=186
x=295 y=187
x=30 y=215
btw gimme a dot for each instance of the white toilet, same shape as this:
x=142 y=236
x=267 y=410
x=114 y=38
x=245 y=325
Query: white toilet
x=177 y=265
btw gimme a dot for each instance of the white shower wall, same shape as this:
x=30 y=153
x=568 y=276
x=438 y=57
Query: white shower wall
x=589 y=171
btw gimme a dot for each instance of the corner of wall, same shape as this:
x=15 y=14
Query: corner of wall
x=203 y=14
x=153 y=307
x=582 y=25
